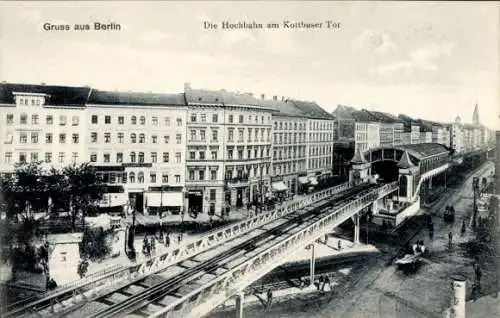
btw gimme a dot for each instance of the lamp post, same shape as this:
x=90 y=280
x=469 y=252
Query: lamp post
x=184 y=208
x=475 y=186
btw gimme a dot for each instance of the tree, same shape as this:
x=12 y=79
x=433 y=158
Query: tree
x=83 y=188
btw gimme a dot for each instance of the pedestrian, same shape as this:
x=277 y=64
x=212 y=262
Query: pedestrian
x=463 y=227
x=327 y=281
x=269 y=297
x=478 y=277
x=339 y=245
x=326 y=239
x=321 y=279
x=167 y=241
x=450 y=239
x=179 y=239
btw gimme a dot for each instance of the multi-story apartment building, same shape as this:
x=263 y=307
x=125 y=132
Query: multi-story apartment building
x=457 y=136
x=228 y=150
x=289 y=146
x=398 y=134
x=137 y=142
x=415 y=134
x=42 y=123
x=319 y=139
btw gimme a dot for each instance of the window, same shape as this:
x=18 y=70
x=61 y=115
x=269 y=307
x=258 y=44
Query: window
x=230 y=154
x=203 y=118
x=178 y=138
x=133 y=138
x=48 y=138
x=62 y=138
x=177 y=178
x=61 y=157
x=143 y=120
x=191 y=175
x=34 y=119
x=120 y=137
x=262 y=120
x=230 y=135
x=202 y=175
x=48 y=157
x=152 y=177
x=75 y=120
x=202 y=155
x=107 y=157
x=193 y=118
x=8 y=157
x=192 y=155
x=24 y=119
x=213 y=174
x=154 y=157
x=193 y=135
x=240 y=135
x=230 y=119
x=166 y=139
x=119 y=157
x=179 y=121
x=121 y=121
x=140 y=177
x=166 y=157
x=141 y=157
x=23 y=138
x=167 y=120
x=154 y=139
x=10 y=119
x=178 y=157
x=133 y=120
x=249 y=134
x=93 y=157
x=240 y=119
x=154 y=120
x=62 y=120
x=107 y=138
x=131 y=177
x=215 y=118
x=215 y=135
x=34 y=156
x=142 y=138
x=22 y=157
x=132 y=157
x=34 y=137
x=107 y=119
x=214 y=155
x=94 y=119
x=240 y=154
x=164 y=177
x=202 y=135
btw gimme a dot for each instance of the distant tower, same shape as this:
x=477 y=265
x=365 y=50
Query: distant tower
x=475 y=116
x=458 y=120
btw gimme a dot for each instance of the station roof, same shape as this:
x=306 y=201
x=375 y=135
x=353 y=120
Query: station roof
x=425 y=150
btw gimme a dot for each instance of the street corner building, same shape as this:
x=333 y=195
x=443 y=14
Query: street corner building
x=199 y=151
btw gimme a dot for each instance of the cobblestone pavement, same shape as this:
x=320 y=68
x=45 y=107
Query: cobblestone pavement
x=378 y=290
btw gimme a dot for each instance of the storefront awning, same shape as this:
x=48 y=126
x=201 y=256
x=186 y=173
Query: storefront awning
x=279 y=186
x=313 y=180
x=157 y=199
x=303 y=180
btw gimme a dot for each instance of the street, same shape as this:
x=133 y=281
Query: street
x=378 y=290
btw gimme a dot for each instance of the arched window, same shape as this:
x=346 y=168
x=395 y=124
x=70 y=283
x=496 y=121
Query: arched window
x=133 y=138
x=133 y=120
x=131 y=177
x=141 y=138
x=141 y=157
x=140 y=177
x=143 y=120
x=132 y=157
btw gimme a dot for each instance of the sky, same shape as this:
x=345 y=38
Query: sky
x=428 y=60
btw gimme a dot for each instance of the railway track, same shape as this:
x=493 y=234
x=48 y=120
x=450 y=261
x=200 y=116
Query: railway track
x=141 y=298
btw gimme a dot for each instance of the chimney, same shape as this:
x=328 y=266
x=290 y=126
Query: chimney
x=43 y=84
x=262 y=96
x=282 y=98
x=275 y=97
x=187 y=86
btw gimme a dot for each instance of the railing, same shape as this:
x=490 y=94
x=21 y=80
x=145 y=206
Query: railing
x=224 y=234
x=426 y=176
x=187 y=250
x=203 y=299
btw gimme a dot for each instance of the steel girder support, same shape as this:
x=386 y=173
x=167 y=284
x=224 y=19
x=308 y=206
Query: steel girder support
x=355 y=219
x=312 y=263
x=202 y=300
x=427 y=175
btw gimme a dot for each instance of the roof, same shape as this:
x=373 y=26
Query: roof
x=344 y=112
x=405 y=162
x=65 y=238
x=383 y=117
x=312 y=110
x=358 y=157
x=134 y=98
x=58 y=95
x=424 y=150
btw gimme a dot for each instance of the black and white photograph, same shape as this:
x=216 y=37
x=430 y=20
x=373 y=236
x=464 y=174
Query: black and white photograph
x=277 y=159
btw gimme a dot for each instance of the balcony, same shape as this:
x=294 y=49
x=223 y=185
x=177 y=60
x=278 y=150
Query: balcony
x=241 y=180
